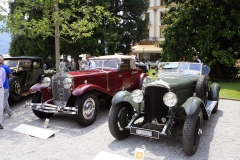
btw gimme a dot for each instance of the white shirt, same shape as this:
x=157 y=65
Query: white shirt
x=88 y=65
x=2 y=76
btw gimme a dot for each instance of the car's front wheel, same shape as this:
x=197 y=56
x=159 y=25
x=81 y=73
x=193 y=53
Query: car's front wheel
x=118 y=118
x=192 y=131
x=88 y=106
x=37 y=99
x=15 y=88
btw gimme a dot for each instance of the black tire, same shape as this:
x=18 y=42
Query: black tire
x=202 y=89
x=15 y=87
x=37 y=99
x=215 y=109
x=118 y=118
x=192 y=131
x=88 y=106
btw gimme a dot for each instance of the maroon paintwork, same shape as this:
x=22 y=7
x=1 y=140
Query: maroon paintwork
x=106 y=81
x=87 y=88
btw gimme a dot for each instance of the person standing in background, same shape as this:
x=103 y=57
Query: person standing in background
x=6 y=89
x=88 y=63
x=2 y=80
x=80 y=63
x=195 y=59
x=198 y=59
x=73 y=65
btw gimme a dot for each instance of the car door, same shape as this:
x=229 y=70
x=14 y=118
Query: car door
x=37 y=68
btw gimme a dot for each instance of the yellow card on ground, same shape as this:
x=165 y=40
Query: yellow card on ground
x=139 y=154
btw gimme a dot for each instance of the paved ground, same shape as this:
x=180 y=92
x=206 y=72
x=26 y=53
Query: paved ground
x=220 y=139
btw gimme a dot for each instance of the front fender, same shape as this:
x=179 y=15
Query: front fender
x=125 y=96
x=214 y=92
x=83 y=88
x=36 y=87
x=141 y=77
x=192 y=104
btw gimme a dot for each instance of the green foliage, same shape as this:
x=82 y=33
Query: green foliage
x=22 y=45
x=206 y=28
x=38 y=18
x=90 y=28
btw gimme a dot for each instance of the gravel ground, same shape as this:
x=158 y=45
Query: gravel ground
x=220 y=138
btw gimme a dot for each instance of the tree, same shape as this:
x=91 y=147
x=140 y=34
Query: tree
x=69 y=19
x=207 y=28
x=130 y=27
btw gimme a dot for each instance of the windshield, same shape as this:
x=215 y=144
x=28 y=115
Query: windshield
x=26 y=63
x=110 y=63
x=11 y=63
x=180 y=68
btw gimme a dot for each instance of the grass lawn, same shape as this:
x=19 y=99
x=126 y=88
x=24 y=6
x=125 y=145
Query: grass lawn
x=228 y=89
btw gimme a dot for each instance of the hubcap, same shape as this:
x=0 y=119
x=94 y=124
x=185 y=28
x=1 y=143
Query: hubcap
x=89 y=108
x=16 y=86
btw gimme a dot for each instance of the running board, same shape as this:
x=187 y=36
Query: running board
x=210 y=106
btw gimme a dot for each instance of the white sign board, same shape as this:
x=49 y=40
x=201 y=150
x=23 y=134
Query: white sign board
x=34 y=131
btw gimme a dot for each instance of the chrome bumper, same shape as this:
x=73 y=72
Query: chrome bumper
x=51 y=108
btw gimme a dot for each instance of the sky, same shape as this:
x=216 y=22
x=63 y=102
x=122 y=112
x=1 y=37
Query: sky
x=5 y=38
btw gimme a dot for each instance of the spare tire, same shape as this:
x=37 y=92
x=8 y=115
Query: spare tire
x=15 y=88
x=202 y=89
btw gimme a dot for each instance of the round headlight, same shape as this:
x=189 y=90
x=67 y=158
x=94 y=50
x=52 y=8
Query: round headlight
x=170 y=99
x=67 y=82
x=137 y=96
x=46 y=82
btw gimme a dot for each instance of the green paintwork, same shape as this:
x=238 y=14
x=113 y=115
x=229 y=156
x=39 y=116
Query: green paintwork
x=191 y=105
x=125 y=96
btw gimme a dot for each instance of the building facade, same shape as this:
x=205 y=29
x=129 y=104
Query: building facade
x=147 y=49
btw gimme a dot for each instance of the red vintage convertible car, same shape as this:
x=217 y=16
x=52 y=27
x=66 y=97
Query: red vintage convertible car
x=79 y=92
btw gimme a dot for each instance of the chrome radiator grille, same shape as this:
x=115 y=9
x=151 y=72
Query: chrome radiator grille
x=154 y=106
x=60 y=94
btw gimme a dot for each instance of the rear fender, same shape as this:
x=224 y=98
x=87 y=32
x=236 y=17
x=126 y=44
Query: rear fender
x=213 y=94
x=192 y=104
x=83 y=88
x=125 y=96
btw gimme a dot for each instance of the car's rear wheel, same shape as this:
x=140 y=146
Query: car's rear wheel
x=118 y=118
x=37 y=99
x=15 y=87
x=88 y=106
x=202 y=89
x=192 y=131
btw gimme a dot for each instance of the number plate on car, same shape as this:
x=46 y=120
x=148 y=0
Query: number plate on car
x=144 y=132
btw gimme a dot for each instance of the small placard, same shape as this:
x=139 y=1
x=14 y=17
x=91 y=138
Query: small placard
x=34 y=131
x=139 y=154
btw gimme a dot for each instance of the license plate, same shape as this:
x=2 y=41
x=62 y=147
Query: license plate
x=144 y=132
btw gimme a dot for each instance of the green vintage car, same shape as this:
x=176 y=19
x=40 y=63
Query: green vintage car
x=175 y=103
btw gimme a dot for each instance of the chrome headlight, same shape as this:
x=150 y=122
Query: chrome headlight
x=170 y=99
x=46 y=82
x=67 y=83
x=137 y=96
